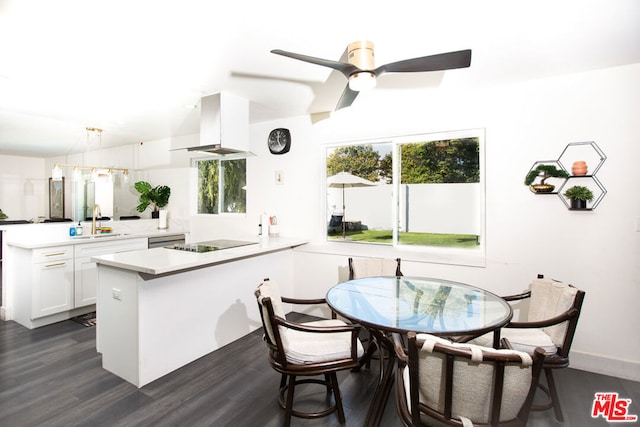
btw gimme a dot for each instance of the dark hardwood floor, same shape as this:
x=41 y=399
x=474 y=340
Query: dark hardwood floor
x=52 y=376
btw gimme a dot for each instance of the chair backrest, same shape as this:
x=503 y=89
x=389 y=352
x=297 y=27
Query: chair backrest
x=368 y=267
x=270 y=305
x=335 y=220
x=469 y=383
x=550 y=298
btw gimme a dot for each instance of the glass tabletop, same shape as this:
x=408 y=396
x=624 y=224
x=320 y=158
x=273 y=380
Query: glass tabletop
x=404 y=303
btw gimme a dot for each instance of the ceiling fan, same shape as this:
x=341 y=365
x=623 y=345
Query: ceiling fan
x=362 y=75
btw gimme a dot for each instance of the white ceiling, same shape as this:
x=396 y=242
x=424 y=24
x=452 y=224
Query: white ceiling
x=131 y=67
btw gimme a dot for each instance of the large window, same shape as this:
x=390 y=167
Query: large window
x=420 y=190
x=221 y=186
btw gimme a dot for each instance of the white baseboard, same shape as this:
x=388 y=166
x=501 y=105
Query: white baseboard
x=626 y=369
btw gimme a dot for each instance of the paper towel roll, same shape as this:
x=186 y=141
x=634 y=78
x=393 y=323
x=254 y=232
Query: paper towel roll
x=162 y=219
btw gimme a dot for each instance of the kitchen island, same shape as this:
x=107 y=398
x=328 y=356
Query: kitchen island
x=160 y=309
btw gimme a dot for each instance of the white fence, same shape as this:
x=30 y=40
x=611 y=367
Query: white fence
x=429 y=208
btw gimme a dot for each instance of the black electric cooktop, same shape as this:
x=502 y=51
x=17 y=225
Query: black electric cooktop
x=210 y=246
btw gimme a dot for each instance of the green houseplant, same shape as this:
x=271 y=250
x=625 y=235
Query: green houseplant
x=545 y=171
x=157 y=197
x=3 y=215
x=579 y=196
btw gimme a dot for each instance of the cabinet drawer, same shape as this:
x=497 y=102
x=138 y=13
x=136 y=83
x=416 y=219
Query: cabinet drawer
x=54 y=253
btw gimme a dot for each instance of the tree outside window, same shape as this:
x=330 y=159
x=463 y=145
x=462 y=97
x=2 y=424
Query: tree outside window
x=221 y=186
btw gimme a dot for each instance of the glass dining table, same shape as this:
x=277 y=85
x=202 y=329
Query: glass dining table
x=384 y=305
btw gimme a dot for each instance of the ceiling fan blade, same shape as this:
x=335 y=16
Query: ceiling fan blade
x=345 y=68
x=347 y=98
x=442 y=61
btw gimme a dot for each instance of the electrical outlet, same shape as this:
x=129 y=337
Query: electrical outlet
x=116 y=293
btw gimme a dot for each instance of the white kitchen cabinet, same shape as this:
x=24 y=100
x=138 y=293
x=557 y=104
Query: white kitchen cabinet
x=86 y=274
x=55 y=283
x=52 y=281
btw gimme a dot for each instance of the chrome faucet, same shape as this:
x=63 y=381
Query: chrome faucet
x=96 y=208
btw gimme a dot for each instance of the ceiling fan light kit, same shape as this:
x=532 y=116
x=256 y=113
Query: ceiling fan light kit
x=361 y=73
x=362 y=81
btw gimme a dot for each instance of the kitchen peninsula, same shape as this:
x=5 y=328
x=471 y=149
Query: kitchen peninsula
x=162 y=308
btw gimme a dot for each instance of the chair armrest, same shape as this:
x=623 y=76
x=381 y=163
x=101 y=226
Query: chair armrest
x=563 y=317
x=303 y=301
x=318 y=329
x=517 y=297
x=399 y=348
x=311 y=301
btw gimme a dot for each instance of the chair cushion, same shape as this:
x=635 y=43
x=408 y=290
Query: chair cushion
x=550 y=298
x=520 y=339
x=309 y=347
x=369 y=267
x=472 y=381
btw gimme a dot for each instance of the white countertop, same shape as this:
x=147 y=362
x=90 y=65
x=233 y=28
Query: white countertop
x=25 y=244
x=34 y=236
x=161 y=261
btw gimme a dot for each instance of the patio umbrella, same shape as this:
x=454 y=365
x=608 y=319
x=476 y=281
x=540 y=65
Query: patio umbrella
x=346 y=180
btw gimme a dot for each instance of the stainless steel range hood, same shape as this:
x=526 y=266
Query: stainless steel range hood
x=224 y=126
x=215 y=149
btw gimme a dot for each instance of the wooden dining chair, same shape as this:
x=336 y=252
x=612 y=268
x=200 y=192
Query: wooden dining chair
x=553 y=312
x=369 y=267
x=308 y=350
x=443 y=383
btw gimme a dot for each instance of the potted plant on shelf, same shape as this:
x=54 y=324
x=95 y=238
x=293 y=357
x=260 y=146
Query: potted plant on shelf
x=157 y=197
x=579 y=196
x=545 y=171
x=3 y=215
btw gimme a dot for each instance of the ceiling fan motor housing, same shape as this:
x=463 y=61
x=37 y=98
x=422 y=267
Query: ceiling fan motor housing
x=361 y=55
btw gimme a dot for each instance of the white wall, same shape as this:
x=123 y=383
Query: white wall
x=24 y=187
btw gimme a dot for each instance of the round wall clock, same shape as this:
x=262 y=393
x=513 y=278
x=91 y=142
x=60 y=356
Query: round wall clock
x=279 y=141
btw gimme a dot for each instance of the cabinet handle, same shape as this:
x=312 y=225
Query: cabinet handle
x=55 y=254
x=57 y=264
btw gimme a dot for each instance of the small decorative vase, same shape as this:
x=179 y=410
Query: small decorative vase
x=578 y=204
x=579 y=168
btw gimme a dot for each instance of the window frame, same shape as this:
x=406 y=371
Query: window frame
x=195 y=184
x=475 y=256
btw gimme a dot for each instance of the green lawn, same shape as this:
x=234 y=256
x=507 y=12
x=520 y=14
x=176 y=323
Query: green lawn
x=422 y=239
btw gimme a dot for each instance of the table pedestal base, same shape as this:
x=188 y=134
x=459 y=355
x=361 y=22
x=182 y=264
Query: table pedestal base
x=383 y=389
